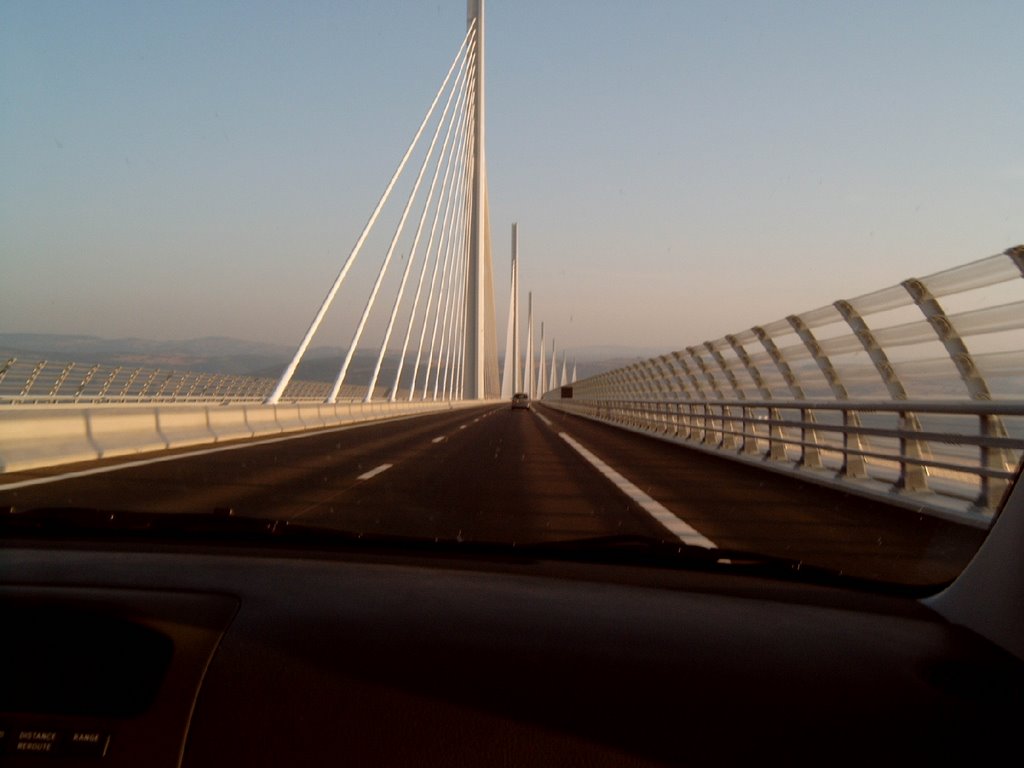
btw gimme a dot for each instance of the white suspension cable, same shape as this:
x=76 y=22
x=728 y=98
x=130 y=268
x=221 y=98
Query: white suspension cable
x=464 y=331
x=451 y=263
x=444 y=259
x=459 y=310
x=510 y=370
x=553 y=381
x=456 y=341
x=461 y=364
x=540 y=362
x=441 y=123
x=458 y=384
x=450 y=353
x=454 y=279
x=286 y=377
x=442 y=293
x=449 y=187
x=361 y=325
x=528 y=364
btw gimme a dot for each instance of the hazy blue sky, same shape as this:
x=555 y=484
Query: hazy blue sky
x=679 y=170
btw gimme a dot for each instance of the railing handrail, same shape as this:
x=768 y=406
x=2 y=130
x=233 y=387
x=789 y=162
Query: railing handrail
x=839 y=362
x=46 y=381
x=858 y=453
x=945 y=406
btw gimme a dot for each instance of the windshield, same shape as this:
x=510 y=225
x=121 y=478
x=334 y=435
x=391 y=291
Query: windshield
x=736 y=277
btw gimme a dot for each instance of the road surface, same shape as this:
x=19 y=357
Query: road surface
x=497 y=474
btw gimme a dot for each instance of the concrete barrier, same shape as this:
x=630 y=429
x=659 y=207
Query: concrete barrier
x=228 y=422
x=184 y=426
x=120 y=432
x=30 y=439
x=36 y=436
x=289 y=417
x=342 y=413
x=311 y=417
x=262 y=420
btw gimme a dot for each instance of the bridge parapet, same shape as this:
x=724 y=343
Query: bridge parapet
x=891 y=393
x=37 y=436
x=36 y=382
x=53 y=414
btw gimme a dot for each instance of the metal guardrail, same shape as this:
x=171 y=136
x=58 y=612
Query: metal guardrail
x=927 y=453
x=43 y=381
x=888 y=388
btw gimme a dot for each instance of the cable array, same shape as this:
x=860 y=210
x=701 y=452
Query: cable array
x=437 y=369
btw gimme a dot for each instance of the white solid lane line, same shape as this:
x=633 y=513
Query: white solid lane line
x=375 y=471
x=680 y=529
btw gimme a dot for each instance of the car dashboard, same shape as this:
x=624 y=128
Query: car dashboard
x=206 y=653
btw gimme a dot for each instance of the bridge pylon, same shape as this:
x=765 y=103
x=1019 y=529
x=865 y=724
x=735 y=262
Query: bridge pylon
x=459 y=242
x=481 y=337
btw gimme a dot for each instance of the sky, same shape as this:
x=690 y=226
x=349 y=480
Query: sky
x=678 y=170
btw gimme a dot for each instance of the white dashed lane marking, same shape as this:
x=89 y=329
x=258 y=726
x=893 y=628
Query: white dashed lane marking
x=375 y=471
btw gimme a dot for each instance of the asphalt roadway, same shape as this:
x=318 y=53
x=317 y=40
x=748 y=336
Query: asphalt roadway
x=497 y=474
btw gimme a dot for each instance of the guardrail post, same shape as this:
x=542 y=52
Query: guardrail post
x=144 y=389
x=810 y=455
x=734 y=384
x=182 y=381
x=991 y=426
x=7 y=367
x=951 y=340
x=776 y=443
x=892 y=383
x=696 y=422
x=59 y=382
x=992 y=488
x=853 y=462
x=723 y=440
x=109 y=382
x=80 y=389
x=704 y=431
x=776 y=448
x=851 y=441
x=913 y=476
x=749 y=444
x=126 y=389
x=164 y=384
x=27 y=387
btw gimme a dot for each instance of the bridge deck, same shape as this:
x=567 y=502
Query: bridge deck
x=499 y=474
